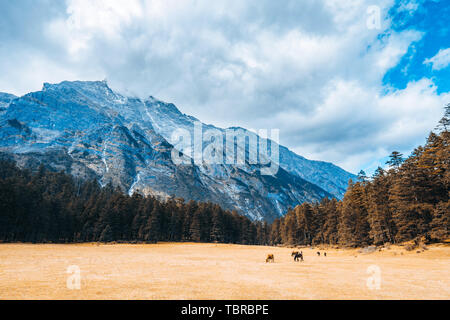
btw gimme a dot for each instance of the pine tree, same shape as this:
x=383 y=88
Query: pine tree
x=330 y=221
x=362 y=177
x=195 y=228
x=440 y=224
x=444 y=123
x=275 y=232
x=217 y=228
x=290 y=229
x=304 y=214
x=395 y=159
x=107 y=235
x=382 y=228
x=353 y=224
x=411 y=210
x=155 y=227
x=318 y=224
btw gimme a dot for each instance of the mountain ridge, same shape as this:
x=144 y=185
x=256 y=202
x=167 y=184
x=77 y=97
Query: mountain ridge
x=94 y=132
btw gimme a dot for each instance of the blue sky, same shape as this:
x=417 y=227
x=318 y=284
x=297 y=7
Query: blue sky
x=432 y=18
x=338 y=88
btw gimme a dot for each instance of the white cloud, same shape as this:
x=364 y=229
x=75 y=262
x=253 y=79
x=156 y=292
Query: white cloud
x=409 y=6
x=440 y=61
x=364 y=124
x=311 y=68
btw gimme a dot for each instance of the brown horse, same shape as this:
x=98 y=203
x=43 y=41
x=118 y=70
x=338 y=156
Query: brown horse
x=270 y=258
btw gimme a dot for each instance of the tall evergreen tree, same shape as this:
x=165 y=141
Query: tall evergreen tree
x=382 y=228
x=395 y=159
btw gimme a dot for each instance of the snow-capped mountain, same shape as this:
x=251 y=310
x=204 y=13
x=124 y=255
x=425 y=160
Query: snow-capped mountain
x=88 y=130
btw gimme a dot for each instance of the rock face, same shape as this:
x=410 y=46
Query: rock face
x=90 y=131
x=5 y=100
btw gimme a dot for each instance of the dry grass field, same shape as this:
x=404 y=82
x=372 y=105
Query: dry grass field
x=217 y=271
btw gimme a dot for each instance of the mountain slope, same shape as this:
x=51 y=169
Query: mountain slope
x=89 y=130
x=5 y=100
x=333 y=179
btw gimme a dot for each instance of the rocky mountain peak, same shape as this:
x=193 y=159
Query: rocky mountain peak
x=91 y=131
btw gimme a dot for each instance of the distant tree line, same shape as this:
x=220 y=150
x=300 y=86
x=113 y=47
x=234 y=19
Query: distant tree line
x=48 y=206
x=408 y=201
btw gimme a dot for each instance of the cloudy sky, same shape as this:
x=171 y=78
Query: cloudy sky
x=344 y=81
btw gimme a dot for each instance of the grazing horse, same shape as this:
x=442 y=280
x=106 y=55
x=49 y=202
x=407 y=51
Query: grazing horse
x=318 y=253
x=297 y=255
x=270 y=258
x=325 y=254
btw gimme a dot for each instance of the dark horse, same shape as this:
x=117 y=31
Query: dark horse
x=297 y=255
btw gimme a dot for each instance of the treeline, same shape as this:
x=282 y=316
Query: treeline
x=408 y=201
x=54 y=207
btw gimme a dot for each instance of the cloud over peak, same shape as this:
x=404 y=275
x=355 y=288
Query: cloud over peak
x=311 y=68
